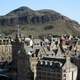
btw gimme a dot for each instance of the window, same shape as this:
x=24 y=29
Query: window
x=64 y=75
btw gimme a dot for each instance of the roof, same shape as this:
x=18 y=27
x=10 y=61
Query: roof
x=62 y=63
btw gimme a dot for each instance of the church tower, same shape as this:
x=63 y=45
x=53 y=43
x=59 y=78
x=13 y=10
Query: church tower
x=20 y=58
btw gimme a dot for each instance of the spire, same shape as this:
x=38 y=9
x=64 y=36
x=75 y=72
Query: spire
x=18 y=34
x=18 y=31
x=68 y=59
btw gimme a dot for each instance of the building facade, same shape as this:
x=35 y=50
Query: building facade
x=56 y=69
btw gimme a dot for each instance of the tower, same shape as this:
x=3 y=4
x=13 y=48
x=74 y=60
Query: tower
x=21 y=58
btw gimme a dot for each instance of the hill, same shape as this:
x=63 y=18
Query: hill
x=38 y=22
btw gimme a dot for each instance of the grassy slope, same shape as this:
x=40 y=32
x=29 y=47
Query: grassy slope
x=59 y=27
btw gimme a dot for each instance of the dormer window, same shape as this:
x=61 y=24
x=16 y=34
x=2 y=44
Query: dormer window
x=4 y=42
x=0 y=42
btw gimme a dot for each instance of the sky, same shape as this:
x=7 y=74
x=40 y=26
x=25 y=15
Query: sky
x=69 y=8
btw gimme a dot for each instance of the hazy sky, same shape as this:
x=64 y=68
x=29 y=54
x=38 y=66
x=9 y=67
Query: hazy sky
x=70 y=8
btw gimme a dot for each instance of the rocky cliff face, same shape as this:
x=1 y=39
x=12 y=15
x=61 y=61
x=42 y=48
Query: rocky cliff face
x=25 y=15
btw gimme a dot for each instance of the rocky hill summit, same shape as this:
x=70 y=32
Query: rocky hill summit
x=25 y=15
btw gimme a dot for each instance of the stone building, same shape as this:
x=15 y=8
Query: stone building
x=6 y=60
x=36 y=59
x=76 y=61
x=5 y=50
x=21 y=58
x=56 y=69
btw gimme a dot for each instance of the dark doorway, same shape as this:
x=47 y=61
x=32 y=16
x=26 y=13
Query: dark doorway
x=4 y=78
